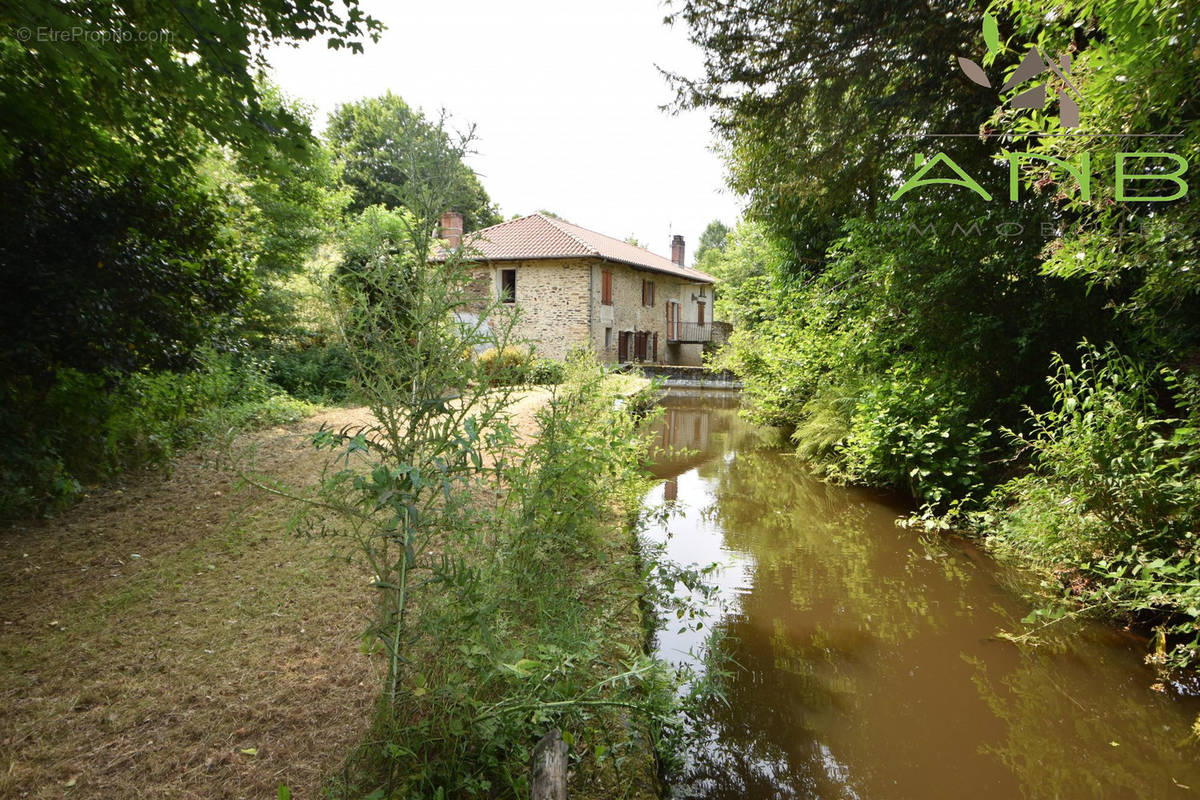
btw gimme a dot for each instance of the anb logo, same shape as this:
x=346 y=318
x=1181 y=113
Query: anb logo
x=1034 y=64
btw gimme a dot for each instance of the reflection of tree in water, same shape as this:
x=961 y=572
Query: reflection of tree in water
x=849 y=639
x=766 y=741
x=835 y=584
x=823 y=552
x=1079 y=725
x=692 y=431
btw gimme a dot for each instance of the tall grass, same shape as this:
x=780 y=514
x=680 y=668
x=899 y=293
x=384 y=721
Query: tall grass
x=84 y=428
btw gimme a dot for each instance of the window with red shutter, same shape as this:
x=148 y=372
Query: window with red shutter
x=647 y=292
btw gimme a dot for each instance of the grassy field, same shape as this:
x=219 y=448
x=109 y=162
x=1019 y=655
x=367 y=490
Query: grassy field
x=166 y=637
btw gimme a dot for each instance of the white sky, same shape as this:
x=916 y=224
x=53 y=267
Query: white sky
x=565 y=97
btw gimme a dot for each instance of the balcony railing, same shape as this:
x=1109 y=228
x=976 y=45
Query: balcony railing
x=697 y=332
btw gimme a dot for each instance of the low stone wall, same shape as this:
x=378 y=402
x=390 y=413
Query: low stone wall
x=692 y=377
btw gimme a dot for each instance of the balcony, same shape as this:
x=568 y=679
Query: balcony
x=697 y=332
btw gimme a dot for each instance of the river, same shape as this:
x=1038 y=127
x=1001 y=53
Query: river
x=866 y=657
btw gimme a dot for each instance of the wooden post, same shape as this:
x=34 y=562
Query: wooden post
x=550 y=768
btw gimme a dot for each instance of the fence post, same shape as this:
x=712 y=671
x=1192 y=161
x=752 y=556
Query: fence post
x=550 y=768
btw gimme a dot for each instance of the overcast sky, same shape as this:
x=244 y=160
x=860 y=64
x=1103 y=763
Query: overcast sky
x=565 y=96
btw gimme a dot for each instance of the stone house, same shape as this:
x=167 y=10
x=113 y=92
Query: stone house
x=578 y=288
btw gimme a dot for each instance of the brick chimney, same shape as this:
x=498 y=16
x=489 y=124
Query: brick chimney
x=452 y=229
x=677 y=249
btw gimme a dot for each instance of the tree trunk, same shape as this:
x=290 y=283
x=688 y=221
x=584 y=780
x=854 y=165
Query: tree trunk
x=550 y=768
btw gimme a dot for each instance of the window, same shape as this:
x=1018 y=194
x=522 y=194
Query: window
x=508 y=285
x=607 y=338
x=700 y=313
x=647 y=292
x=606 y=287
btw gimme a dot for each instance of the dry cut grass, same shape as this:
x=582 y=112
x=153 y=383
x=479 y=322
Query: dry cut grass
x=168 y=638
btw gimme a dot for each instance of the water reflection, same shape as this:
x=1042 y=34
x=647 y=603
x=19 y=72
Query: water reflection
x=870 y=665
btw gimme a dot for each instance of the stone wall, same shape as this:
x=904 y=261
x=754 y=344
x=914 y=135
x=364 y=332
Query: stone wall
x=554 y=297
x=628 y=314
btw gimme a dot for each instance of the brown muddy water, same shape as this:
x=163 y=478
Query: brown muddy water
x=867 y=660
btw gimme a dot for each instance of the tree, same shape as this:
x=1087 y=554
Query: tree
x=286 y=204
x=103 y=84
x=818 y=103
x=376 y=140
x=882 y=324
x=114 y=276
x=151 y=187
x=747 y=253
x=713 y=238
x=121 y=251
x=1144 y=258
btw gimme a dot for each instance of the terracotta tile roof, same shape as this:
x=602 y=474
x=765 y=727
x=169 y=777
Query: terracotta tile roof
x=538 y=236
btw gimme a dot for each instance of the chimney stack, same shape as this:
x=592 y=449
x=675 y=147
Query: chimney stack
x=452 y=229
x=677 y=249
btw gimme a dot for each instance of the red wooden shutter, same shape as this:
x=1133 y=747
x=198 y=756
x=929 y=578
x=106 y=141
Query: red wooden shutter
x=700 y=313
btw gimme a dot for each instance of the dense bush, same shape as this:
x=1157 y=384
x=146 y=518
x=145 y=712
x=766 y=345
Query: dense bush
x=318 y=374
x=86 y=428
x=546 y=372
x=513 y=365
x=1114 y=493
x=908 y=433
x=503 y=364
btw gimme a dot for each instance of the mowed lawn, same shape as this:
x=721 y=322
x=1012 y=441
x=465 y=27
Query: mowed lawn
x=167 y=637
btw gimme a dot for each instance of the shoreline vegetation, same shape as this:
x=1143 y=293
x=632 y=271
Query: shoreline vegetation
x=221 y=656
x=184 y=257
x=1028 y=369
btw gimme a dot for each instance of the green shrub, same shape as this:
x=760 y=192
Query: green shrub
x=1112 y=502
x=907 y=432
x=85 y=428
x=507 y=366
x=546 y=372
x=318 y=374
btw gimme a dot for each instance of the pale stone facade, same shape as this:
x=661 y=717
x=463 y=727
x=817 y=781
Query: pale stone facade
x=561 y=306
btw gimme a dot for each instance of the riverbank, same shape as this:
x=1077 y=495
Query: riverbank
x=167 y=636
x=864 y=657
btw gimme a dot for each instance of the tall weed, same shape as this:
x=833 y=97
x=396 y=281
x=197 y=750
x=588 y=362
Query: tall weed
x=1112 y=503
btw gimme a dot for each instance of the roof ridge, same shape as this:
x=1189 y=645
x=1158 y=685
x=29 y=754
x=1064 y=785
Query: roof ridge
x=539 y=235
x=612 y=238
x=646 y=250
x=497 y=225
x=555 y=224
